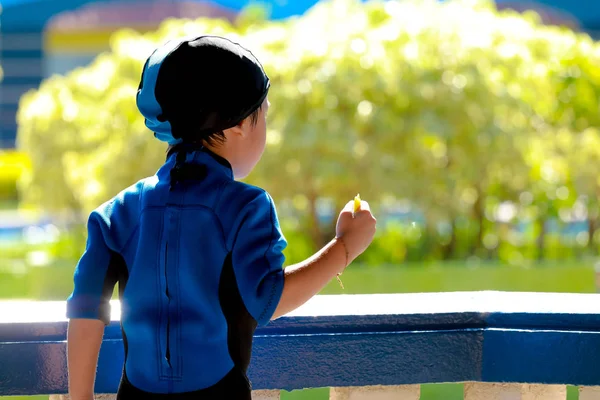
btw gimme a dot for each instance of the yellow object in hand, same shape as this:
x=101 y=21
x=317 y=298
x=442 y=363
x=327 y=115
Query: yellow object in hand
x=357 y=203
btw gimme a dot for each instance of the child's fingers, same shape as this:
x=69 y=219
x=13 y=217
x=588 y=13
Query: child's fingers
x=349 y=206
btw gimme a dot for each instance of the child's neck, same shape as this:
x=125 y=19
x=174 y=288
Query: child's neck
x=224 y=152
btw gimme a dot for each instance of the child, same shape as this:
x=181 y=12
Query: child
x=197 y=254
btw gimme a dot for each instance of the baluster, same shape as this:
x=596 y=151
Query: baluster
x=589 y=393
x=265 y=395
x=405 y=392
x=544 y=392
x=256 y=395
x=506 y=391
x=492 y=391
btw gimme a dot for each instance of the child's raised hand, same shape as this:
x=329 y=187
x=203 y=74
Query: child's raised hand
x=356 y=228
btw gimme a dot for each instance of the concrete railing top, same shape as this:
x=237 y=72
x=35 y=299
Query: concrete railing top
x=484 y=304
x=354 y=340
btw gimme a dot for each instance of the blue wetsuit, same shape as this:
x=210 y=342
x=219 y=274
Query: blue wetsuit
x=199 y=266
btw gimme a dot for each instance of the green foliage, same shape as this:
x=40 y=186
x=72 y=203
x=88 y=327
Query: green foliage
x=453 y=107
x=54 y=281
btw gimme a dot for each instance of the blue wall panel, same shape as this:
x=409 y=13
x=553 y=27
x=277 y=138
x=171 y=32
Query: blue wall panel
x=425 y=338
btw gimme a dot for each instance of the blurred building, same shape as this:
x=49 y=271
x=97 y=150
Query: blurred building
x=39 y=38
x=74 y=38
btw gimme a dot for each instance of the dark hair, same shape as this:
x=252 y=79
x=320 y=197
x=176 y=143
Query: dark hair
x=218 y=137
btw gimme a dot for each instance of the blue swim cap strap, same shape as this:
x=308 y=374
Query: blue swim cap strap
x=146 y=98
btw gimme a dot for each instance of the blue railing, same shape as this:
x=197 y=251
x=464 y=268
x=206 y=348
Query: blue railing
x=355 y=341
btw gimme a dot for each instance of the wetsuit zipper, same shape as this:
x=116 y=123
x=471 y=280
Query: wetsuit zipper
x=167 y=349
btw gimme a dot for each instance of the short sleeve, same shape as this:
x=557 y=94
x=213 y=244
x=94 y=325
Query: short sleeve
x=257 y=257
x=94 y=281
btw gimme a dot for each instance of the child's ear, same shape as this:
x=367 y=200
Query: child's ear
x=242 y=129
x=245 y=126
x=239 y=129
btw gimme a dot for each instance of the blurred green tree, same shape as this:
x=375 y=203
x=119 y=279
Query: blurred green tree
x=449 y=106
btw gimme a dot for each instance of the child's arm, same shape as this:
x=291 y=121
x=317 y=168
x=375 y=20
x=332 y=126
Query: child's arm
x=88 y=308
x=83 y=346
x=257 y=243
x=306 y=279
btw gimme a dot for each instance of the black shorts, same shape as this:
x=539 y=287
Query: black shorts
x=234 y=386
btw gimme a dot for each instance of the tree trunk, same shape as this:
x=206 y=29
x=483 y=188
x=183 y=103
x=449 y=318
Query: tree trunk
x=541 y=239
x=492 y=254
x=316 y=233
x=449 y=248
x=479 y=216
x=592 y=227
x=428 y=248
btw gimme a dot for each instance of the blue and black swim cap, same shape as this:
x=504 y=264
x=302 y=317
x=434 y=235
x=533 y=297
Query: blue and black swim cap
x=193 y=87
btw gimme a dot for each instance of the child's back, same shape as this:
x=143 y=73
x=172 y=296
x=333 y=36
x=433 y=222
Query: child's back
x=181 y=298
x=198 y=257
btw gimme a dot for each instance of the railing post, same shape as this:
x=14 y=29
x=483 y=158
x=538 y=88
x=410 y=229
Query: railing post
x=589 y=393
x=514 y=391
x=404 y=392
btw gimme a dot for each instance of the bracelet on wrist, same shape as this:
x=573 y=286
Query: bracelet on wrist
x=346 y=264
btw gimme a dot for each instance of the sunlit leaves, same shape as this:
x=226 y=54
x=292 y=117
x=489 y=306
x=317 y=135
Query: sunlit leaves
x=451 y=105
